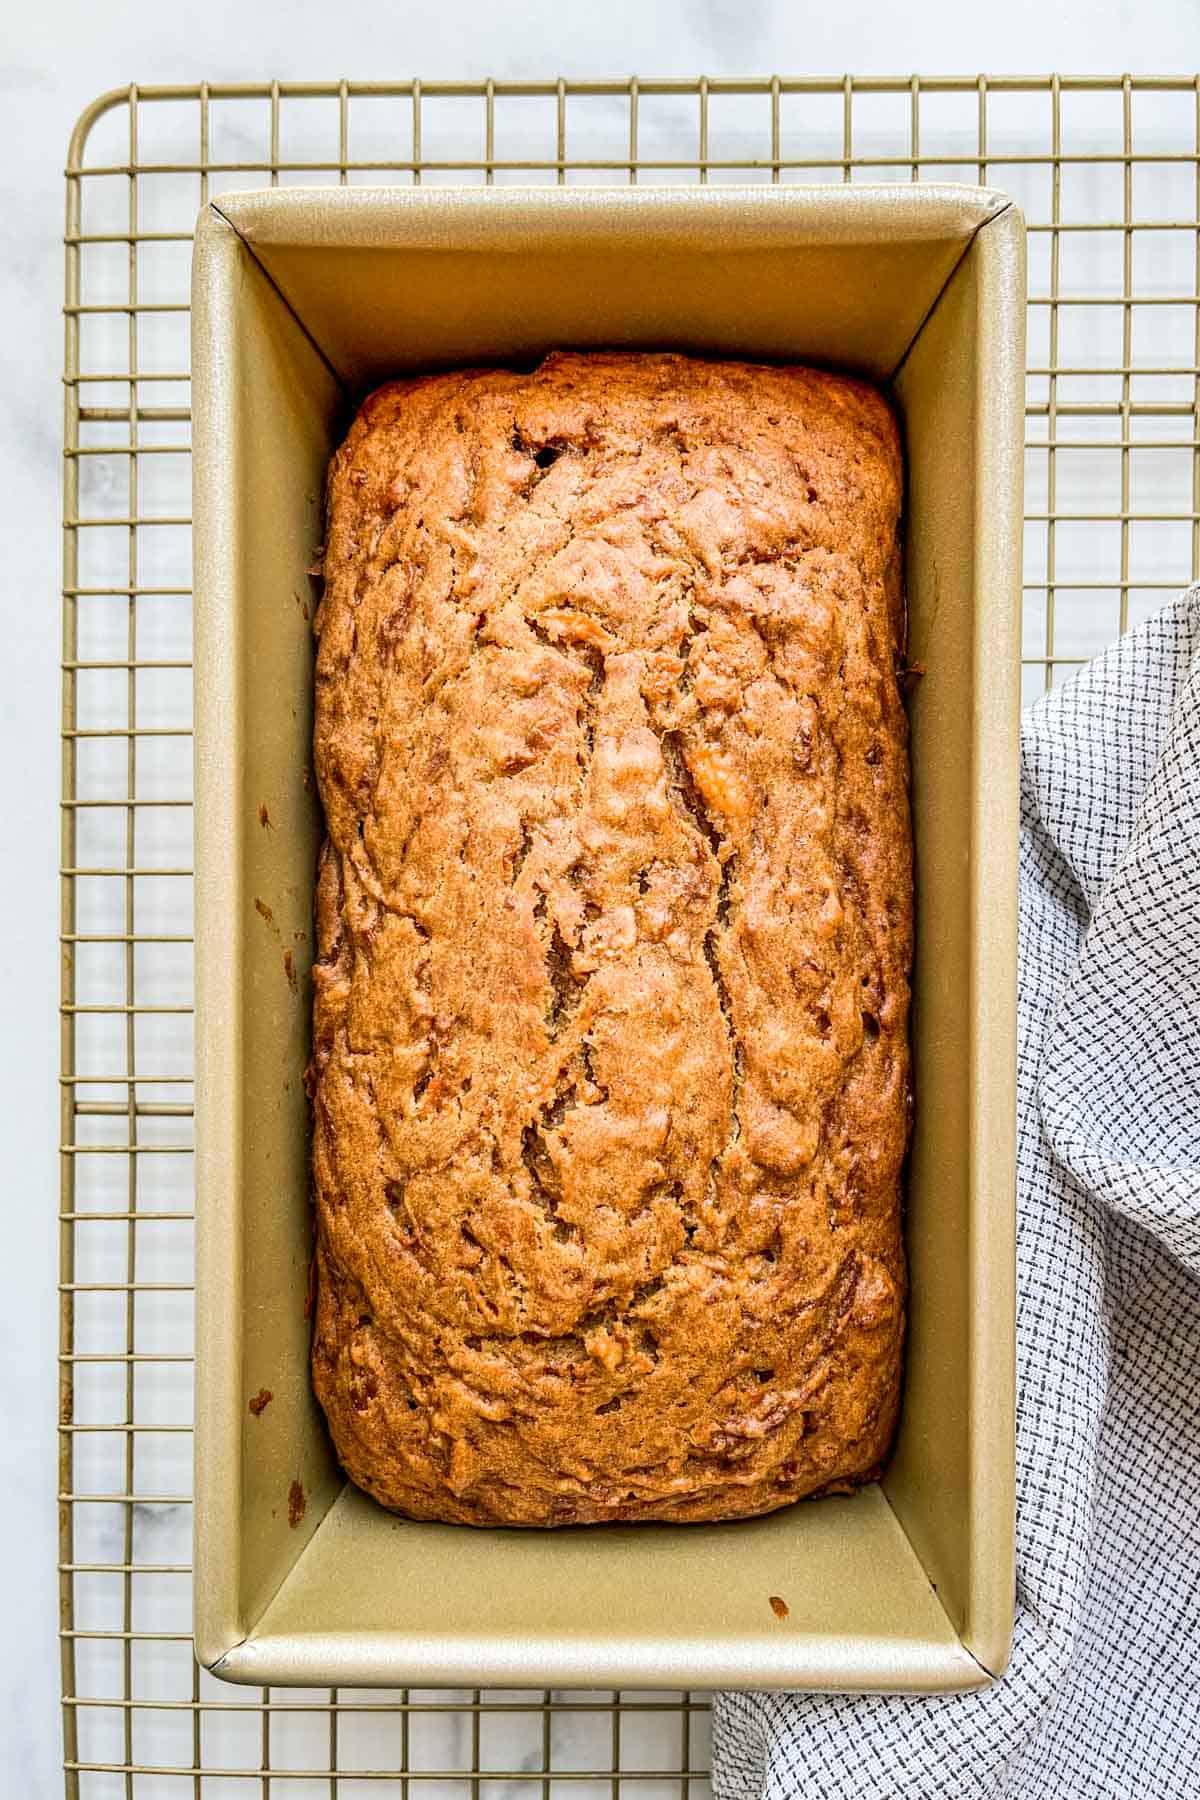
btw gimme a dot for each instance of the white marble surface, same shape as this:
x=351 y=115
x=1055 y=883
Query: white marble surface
x=54 y=58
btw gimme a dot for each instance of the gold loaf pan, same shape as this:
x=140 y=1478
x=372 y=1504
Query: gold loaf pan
x=303 y=300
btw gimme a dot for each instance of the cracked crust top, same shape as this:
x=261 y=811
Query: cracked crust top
x=610 y=1068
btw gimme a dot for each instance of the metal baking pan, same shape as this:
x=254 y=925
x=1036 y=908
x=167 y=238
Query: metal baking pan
x=302 y=300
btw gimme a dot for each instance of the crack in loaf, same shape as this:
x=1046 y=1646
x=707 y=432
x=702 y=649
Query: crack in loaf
x=610 y=1066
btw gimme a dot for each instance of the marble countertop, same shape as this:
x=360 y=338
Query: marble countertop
x=56 y=58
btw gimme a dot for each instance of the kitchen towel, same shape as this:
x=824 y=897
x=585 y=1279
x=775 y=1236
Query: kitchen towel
x=1102 y=1694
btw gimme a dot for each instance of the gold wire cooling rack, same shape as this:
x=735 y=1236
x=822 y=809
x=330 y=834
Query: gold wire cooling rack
x=1108 y=174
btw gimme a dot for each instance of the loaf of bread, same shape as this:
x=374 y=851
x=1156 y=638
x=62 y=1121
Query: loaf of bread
x=610 y=1072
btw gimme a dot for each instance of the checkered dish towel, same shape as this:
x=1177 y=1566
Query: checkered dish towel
x=1102 y=1696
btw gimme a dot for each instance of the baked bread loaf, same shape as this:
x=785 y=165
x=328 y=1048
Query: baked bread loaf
x=610 y=1072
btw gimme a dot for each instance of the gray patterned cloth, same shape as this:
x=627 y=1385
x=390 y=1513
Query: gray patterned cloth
x=1102 y=1696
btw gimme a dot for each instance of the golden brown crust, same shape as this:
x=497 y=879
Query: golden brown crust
x=610 y=1063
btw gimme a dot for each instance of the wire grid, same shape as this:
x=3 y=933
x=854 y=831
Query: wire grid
x=1108 y=173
